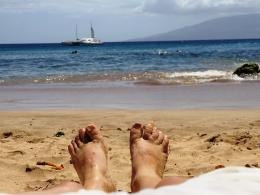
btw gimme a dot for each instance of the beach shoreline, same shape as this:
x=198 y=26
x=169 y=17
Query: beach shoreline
x=200 y=141
x=109 y=96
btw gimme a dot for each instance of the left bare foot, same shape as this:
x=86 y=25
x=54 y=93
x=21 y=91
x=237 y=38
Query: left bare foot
x=149 y=149
x=89 y=157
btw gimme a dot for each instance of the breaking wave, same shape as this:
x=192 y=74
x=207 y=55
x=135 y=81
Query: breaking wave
x=145 y=78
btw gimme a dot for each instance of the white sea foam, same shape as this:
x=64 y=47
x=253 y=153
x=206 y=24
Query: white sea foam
x=202 y=74
x=207 y=76
x=237 y=78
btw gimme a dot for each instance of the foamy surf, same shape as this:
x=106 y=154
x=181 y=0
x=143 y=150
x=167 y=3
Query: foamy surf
x=144 y=78
x=208 y=76
x=201 y=74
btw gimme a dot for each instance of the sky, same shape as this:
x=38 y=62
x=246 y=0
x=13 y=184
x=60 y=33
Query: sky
x=53 y=21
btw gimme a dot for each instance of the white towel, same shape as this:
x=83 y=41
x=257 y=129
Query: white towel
x=227 y=181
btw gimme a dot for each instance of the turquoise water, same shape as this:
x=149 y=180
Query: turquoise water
x=140 y=62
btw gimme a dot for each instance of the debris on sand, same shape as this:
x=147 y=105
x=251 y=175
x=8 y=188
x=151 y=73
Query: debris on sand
x=219 y=166
x=59 y=134
x=213 y=139
x=53 y=165
x=7 y=134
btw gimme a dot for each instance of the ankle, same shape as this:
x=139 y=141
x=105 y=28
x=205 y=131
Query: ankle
x=100 y=183
x=144 y=180
x=95 y=182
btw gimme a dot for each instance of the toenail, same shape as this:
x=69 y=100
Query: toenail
x=90 y=128
x=137 y=126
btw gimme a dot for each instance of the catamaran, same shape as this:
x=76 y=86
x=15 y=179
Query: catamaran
x=74 y=42
x=92 y=40
x=84 y=41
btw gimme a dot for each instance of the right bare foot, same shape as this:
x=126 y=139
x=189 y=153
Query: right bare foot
x=89 y=157
x=149 y=149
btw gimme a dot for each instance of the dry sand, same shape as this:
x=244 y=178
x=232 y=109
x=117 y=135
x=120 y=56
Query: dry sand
x=200 y=140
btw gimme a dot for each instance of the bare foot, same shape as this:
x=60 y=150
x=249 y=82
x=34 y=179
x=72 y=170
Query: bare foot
x=149 y=149
x=89 y=157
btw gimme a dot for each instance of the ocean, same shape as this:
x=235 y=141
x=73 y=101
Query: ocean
x=127 y=63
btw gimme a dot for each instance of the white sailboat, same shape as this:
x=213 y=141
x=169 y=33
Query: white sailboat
x=92 y=40
x=73 y=42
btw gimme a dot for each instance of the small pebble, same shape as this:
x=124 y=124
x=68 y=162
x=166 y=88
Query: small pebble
x=220 y=167
x=7 y=134
x=28 y=169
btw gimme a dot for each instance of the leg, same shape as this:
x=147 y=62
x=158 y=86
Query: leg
x=172 y=181
x=149 y=149
x=89 y=156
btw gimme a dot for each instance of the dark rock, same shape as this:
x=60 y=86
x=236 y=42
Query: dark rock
x=59 y=134
x=213 y=138
x=28 y=169
x=7 y=134
x=202 y=135
x=247 y=69
x=219 y=166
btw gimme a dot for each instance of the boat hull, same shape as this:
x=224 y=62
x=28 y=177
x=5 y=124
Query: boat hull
x=71 y=43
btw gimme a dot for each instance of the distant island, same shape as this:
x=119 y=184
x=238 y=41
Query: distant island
x=232 y=27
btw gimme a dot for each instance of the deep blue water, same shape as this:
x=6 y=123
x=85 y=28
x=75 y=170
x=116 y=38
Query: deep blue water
x=182 y=61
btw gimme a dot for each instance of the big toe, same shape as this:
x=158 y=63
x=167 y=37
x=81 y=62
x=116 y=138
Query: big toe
x=165 y=145
x=136 y=132
x=148 y=131
x=82 y=134
x=93 y=133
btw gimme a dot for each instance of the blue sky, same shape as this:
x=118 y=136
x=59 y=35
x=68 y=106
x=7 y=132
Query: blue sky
x=34 y=21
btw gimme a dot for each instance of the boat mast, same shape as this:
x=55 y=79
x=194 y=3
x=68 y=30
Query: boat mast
x=76 y=33
x=92 y=31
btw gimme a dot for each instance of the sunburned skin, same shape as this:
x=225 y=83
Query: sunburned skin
x=89 y=157
x=149 y=149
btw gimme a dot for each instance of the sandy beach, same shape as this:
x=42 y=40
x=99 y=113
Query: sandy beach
x=200 y=141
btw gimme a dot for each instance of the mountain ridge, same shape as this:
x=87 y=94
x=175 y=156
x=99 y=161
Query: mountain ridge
x=231 y=27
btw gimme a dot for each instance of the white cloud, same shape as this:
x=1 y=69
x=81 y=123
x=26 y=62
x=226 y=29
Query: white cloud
x=199 y=6
x=128 y=6
x=67 y=6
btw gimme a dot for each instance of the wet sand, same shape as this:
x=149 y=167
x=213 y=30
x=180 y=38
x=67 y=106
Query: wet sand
x=110 y=96
x=200 y=141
